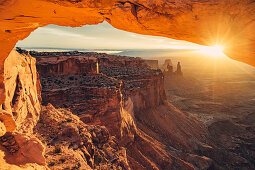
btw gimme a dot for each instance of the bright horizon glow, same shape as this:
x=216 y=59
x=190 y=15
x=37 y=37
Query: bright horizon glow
x=213 y=51
x=104 y=36
x=107 y=39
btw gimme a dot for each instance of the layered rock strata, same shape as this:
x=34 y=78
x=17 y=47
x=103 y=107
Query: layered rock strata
x=122 y=92
x=153 y=64
x=68 y=142
x=90 y=95
x=66 y=65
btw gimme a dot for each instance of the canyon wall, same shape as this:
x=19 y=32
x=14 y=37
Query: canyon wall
x=65 y=141
x=112 y=137
x=119 y=97
x=95 y=96
x=62 y=65
x=152 y=63
x=141 y=130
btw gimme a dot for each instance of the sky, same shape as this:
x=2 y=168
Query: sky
x=100 y=36
x=104 y=36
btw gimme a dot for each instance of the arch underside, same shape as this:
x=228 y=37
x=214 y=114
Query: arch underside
x=226 y=22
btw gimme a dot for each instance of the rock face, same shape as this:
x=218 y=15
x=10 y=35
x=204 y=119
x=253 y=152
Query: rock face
x=168 y=62
x=189 y=20
x=75 y=145
x=126 y=92
x=143 y=85
x=65 y=65
x=153 y=64
x=126 y=95
x=22 y=91
x=93 y=97
x=168 y=70
x=179 y=69
x=19 y=114
x=22 y=149
x=230 y=23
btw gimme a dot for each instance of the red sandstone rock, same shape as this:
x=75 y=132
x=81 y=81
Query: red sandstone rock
x=66 y=65
x=93 y=146
x=2 y=129
x=7 y=122
x=71 y=143
x=204 y=22
x=101 y=95
x=22 y=95
x=188 y=20
x=20 y=113
x=152 y=64
x=140 y=94
x=23 y=149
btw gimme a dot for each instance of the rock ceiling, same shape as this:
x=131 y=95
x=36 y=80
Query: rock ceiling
x=207 y=22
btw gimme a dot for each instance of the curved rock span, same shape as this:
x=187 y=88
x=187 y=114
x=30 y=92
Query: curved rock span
x=230 y=23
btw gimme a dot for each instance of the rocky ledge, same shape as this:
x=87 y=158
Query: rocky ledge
x=129 y=124
x=90 y=94
x=125 y=91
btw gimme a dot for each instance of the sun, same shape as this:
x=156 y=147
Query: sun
x=214 y=51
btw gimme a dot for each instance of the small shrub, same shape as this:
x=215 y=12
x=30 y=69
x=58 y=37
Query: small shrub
x=77 y=166
x=99 y=158
x=51 y=164
x=68 y=120
x=57 y=149
x=62 y=160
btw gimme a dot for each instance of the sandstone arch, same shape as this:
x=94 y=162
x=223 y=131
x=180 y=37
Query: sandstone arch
x=206 y=22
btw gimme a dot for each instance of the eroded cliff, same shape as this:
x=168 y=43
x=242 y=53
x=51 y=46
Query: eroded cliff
x=20 y=113
x=126 y=91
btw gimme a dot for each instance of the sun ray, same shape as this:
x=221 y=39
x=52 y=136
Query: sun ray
x=213 y=51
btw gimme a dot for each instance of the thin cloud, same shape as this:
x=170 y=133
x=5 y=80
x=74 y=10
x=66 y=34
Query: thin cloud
x=101 y=36
x=58 y=32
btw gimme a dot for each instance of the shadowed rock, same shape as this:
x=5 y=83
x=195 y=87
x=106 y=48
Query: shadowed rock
x=229 y=23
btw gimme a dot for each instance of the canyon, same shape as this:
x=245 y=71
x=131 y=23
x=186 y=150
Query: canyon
x=22 y=136
x=87 y=110
x=115 y=97
x=110 y=137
